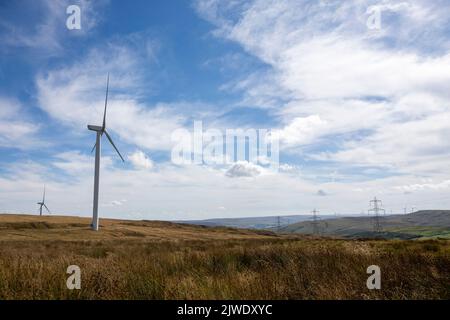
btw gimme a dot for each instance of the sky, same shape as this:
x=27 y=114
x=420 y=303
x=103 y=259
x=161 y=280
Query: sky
x=357 y=91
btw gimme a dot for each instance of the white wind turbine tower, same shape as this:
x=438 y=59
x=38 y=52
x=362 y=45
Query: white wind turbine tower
x=42 y=204
x=100 y=130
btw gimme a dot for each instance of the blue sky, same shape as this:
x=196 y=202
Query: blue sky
x=361 y=111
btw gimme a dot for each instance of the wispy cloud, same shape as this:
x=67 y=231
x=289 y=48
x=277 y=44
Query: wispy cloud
x=15 y=129
x=45 y=31
x=360 y=112
x=368 y=100
x=74 y=94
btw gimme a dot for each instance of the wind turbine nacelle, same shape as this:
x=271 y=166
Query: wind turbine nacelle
x=95 y=128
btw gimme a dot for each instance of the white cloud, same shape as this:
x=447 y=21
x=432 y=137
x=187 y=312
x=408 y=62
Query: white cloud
x=302 y=130
x=194 y=192
x=75 y=95
x=423 y=186
x=76 y=164
x=171 y=192
x=140 y=160
x=374 y=106
x=16 y=131
x=371 y=101
x=118 y=202
x=244 y=169
x=290 y=169
x=45 y=31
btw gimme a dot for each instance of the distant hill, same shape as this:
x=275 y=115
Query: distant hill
x=420 y=224
x=269 y=222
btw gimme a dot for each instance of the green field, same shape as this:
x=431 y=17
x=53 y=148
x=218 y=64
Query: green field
x=427 y=224
x=424 y=232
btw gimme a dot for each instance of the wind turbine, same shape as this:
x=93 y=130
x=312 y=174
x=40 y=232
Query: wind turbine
x=100 y=130
x=42 y=204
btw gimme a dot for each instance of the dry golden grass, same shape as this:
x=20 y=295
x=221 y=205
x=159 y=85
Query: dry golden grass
x=170 y=261
x=29 y=227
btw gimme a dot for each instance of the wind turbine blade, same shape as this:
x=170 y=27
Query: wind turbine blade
x=110 y=140
x=43 y=197
x=47 y=209
x=93 y=148
x=106 y=103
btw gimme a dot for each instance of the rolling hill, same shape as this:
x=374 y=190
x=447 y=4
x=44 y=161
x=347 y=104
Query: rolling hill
x=164 y=260
x=32 y=227
x=420 y=224
x=267 y=222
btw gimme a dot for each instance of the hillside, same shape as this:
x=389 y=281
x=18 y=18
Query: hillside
x=32 y=227
x=421 y=224
x=161 y=260
x=267 y=222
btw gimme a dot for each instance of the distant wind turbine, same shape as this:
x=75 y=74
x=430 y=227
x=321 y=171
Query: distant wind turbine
x=100 y=130
x=42 y=204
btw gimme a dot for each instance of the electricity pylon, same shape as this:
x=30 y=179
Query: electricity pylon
x=376 y=209
x=315 y=222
